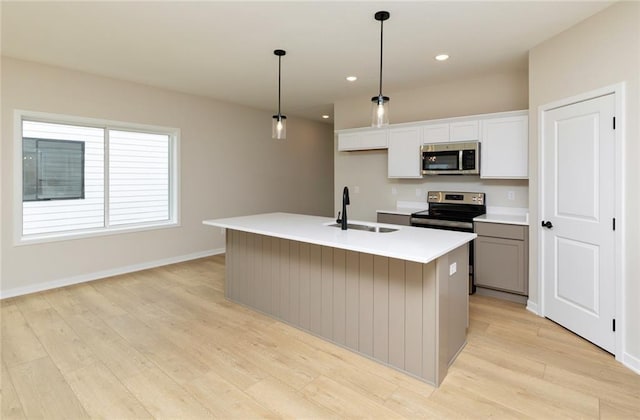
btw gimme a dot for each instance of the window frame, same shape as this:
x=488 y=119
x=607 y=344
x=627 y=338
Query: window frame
x=174 y=176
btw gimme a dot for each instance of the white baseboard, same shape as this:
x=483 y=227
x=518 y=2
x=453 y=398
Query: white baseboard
x=54 y=284
x=511 y=297
x=532 y=307
x=631 y=362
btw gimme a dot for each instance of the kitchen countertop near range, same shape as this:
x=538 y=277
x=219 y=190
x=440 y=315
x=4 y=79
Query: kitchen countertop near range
x=506 y=215
x=406 y=208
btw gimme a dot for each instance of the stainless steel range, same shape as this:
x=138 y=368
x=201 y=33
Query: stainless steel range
x=450 y=210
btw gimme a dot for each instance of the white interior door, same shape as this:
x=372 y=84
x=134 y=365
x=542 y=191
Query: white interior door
x=578 y=200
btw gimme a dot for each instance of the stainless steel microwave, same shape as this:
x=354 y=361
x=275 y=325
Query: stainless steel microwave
x=457 y=158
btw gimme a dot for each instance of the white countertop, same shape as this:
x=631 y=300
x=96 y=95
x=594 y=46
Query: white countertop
x=407 y=243
x=403 y=211
x=509 y=219
x=406 y=208
x=507 y=215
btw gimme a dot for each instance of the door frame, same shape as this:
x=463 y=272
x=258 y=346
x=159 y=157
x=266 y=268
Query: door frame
x=618 y=90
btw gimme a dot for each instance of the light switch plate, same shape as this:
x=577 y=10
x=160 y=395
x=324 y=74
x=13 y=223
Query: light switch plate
x=453 y=268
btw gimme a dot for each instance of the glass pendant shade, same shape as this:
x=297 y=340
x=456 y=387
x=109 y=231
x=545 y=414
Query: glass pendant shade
x=379 y=111
x=279 y=127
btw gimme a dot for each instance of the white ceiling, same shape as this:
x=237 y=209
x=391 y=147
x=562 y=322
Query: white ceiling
x=224 y=50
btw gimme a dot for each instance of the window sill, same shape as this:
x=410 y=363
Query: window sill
x=93 y=233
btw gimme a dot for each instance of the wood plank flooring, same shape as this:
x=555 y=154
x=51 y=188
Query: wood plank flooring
x=163 y=343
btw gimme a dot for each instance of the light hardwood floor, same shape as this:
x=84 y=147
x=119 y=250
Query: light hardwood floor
x=164 y=343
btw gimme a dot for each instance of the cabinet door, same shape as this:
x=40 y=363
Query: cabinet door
x=375 y=139
x=404 y=152
x=435 y=133
x=504 y=152
x=349 y=141
x=500 y=264
x=464 y=130
x=365 y=140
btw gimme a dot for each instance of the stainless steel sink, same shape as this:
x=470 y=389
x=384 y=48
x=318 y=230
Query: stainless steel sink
x=366 y=228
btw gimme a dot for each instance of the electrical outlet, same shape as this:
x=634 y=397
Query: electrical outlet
x=453 y=268
x=418 y=192
x=356 y=189
x=394 y=191
x=511 y=195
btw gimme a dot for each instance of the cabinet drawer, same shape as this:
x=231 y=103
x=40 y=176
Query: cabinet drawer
x=394 y=219
x=501 y=230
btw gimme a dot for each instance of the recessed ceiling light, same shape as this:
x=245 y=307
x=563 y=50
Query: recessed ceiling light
x=352 y=78
x=442 y=57
x=326 y=117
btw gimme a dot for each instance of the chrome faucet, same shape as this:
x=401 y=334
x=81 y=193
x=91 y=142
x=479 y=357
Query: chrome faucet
x=345 y=202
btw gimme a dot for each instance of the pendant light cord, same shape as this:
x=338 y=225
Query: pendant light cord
x=279 y=78
x=381 y=33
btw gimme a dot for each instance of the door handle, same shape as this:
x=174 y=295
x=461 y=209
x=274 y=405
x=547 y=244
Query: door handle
x=547 y=224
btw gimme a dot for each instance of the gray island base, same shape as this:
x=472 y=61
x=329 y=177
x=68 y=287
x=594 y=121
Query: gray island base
x=408 y=315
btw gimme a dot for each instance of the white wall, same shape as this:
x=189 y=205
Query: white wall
x=368 y=169
x=229 y=166
x=600 y=51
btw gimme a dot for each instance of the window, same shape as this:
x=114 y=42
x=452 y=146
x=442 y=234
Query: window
x=138 y=177
x=85 y=177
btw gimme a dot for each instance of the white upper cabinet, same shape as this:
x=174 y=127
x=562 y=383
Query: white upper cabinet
x=404 y=152
x=363 y=140
x=435 y=133
x=505 y=148
x=504 y=137
x=464 y=130
x=451 y=131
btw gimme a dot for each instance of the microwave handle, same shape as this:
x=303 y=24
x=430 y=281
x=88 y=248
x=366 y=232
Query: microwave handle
x=460 y=159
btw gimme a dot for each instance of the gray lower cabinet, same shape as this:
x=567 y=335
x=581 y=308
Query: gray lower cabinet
x=395 y=219
x=501 y=257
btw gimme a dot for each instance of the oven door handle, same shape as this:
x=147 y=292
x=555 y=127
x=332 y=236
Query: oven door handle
x=419 y=222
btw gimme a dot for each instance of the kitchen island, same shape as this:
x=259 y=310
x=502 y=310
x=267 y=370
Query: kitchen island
x=399 y=297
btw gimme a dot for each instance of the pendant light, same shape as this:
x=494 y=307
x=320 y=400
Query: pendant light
x=380 y=103
x=279 y=122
